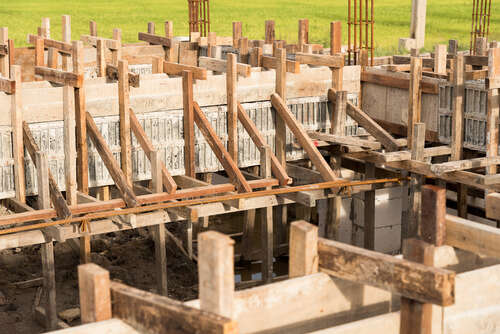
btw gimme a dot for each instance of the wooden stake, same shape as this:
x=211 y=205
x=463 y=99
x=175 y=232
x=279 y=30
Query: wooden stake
x=45 y=27
x=4 y=60
x=417 y=153
x=187 y=92
x=303 y=33
x=42 y=178
x=440 y=59
x=216 y=273
x=169 y=29
x=16 y=114
x=266 y=221
x=369 y=210
x=232 y=111
x=303 y=249
x=270 y=34
x=101 y=58
x=39 y=52
x=151 y=28
x=124 y=107
x=66 y=38
x=237 y=33
x=116 y=55
x=93 y=28
x=335 y=37
x=49 y=284
x=457 y=117
x=69 y=144
x=281 y=91
x=52 y=58
x=95 y=297
x=255 y=57
x=415 y=96
x=80 y=120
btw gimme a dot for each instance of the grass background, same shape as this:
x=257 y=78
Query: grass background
x=446 y=19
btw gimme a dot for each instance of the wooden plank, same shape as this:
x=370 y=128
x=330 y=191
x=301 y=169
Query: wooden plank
x=216 y=273
x=303 y=249
x=4 y=59
x=369 y=210
x=433 y=229
x=414 y=98
x=303 y=37
x=473 y=237
x=62 y=47
x=219 y=150
x=101 y=58
x=269 y=33
x=154 y=39
x=148 y=147
x=440 y=54
x=320 y=60
x=272 y=62
x=188 y=121
x=220 y=65
x=59 y=76
x=457 y=127
x=58 y=201
x=16 y=118
x=107 y=157
x=157 y=314
x=69 y=144
x=237 y=33
x=177 y=69
x=280 y=135
x=259 y=141
x=95 y=296
x=66 y=38
x=39 y=52
x=52 y=58
x=124 y=113
x=409 y=279
x=232 y=109
x=42 y=178
x=93 y=28
x=81 y=122
x=305 y=142
x=345 y=140
x=111 y=44
x=338 y=113
x=49 y=284
x=7 y=86
x=452 y=166
x=370 y=126
x=403 y=83
x=492 y=131
x=476 y=60
x=112 y=74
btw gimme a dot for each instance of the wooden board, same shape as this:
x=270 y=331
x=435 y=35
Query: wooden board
x=153 y=39
x=409 y=279
x=112 y=74
x=66 y=48
x=60 y=77
x=403 y=83
x=220 y=65
x=177 y=69
x=320 y=60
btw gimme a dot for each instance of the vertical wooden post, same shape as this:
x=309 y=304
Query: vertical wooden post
x=187 y=92
x=95 y=294
x=232 y=111
x=49 y=284
x=42 y=179
x=16 y=118
x=417 y=153
x=243 y=47
x=124 y=106
x=481 y=46
x=256 y=57
x=169 y=29
x=39 y=52
x=303 y=249
x=151 y=28
x=157 y=65
x=66 y=38
x=457 y=128
x=453 y=47
x=417 y=25
x=158 y=230
x=237 y=33
x=266 y=220
x=493 y=109
x=216 y=273
x=45 y=27
x=417 y=317
x=415 y=96
x=335 y=37
x=81 y=125
x=440 y=59
x=116 y=55
x=303 y=34
x=369 y=210
x=4 y=60
x=171 y=53
x=101 y=58
x=93 y=28
x=270 y=34
x=52 y=58
x=212 y=42
x=69 y=144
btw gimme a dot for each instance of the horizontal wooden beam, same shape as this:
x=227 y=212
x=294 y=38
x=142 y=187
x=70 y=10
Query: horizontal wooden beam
x=152 y=313
x=305 y=142
x=111 y=44
x=345 y=140
x=409 y=279
x=4 y=49
x=320 y=60
x=7 y=86
x=220 y=65
x=109 y=161
x=51 y=43
x=272 y=62
x=278 y=170
x=154 y=39
x=112 y=74
x=476 y=60
x=382 y=158
x=472 y=236
x=456 y=165
x=403 y=83
x=176 y=69
x=59 y=77
x=230 y=166
x=60 y=205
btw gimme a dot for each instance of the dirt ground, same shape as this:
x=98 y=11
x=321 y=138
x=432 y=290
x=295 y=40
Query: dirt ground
x=128 y=255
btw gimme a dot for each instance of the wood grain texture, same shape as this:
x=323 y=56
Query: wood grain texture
x=188 y=121
x=95 y=296
x=303 y=249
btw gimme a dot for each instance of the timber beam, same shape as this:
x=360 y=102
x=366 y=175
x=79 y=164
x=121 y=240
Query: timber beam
x=111 y=44
x=320 y=60
x=7 y=86
x=156 y=40
x=171 y=68
x=112 y=74
x=220 y=65
x=272 y=62
x=59 y=77
x=62 y=47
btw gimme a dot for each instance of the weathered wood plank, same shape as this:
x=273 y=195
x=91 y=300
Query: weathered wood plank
x=62 y=47
x=410 y=279
x=111 y=44
x=272 y=62
x=188 y=123
x=220 y=65
x=303 y=249
x=390 y=81
x=320 y=60
x=7 y=86
x=177 y=69
x=59 y=76
x=154 y=39
x=112 y=74
x=95 y=297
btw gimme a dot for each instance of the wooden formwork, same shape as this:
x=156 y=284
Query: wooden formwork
x=300 y=163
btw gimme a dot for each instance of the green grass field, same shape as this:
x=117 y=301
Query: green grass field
x=445 y=19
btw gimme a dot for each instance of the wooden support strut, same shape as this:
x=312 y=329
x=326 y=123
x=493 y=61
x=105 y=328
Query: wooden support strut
x=220 y=152
x=57 y=198
x=188 y=121
x=107 y=157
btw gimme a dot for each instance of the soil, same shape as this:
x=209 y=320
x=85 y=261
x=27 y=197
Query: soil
x=128 y=255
